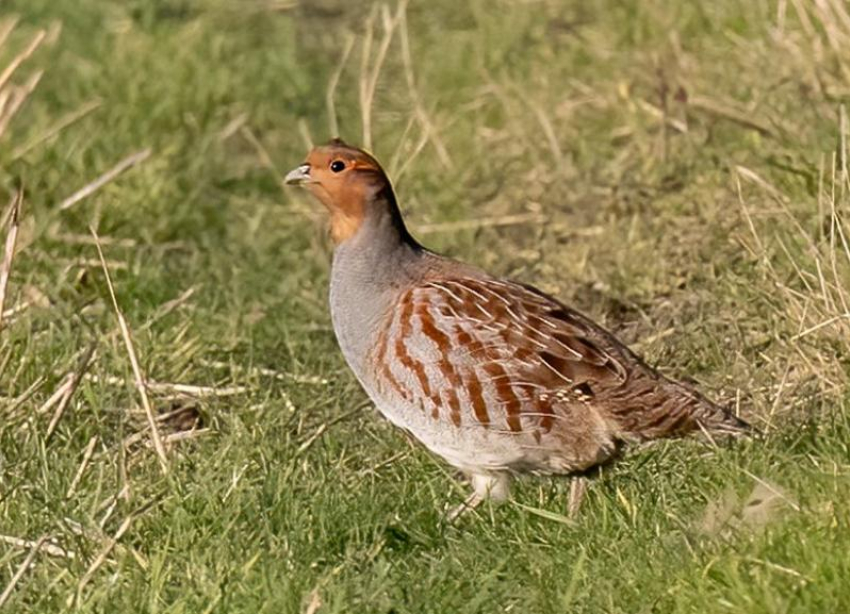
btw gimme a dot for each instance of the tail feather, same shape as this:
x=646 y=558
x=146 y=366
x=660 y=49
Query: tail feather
x=710 y=417
x=655 y=407
x=724 y=422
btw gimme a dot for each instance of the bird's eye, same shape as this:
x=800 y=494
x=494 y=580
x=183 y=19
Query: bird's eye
x=337 y=166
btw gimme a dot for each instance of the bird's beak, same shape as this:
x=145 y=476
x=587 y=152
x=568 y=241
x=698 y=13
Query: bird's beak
x=298 y=176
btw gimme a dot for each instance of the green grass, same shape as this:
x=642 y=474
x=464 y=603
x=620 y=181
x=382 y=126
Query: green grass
x=678 y=171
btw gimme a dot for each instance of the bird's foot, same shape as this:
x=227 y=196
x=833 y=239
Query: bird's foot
x=469 y=504
x=493 y=487
x=578 y=487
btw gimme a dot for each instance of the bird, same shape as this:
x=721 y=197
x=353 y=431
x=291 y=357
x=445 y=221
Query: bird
x=494 y=376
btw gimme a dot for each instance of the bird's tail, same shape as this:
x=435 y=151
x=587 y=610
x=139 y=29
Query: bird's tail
x=714 y=419
x=724 y=422
x=657 y=407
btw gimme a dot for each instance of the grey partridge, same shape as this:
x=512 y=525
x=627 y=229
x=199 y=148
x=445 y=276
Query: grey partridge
x=492 y=375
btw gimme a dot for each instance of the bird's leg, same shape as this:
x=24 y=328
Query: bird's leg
x=469 y=504
x=578 y=486
x=493 y=487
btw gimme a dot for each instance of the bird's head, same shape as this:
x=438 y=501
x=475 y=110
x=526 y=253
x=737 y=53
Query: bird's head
x=348 y=181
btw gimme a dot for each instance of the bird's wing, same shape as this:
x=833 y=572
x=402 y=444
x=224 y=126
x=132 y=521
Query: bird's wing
x=495 y=354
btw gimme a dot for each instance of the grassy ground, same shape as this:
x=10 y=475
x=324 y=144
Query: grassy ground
x=678 y=170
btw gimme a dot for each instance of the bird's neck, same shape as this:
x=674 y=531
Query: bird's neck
x=369 y=270
x=381 y=239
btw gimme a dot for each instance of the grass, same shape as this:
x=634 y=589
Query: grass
x=677 y=170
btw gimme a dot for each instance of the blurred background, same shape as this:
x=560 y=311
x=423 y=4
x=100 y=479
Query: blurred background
x=676 y=170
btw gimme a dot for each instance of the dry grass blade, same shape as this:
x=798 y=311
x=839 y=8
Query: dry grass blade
x=427 y=125
x=332 y=85
x=21 y=58
x=313 y=380
x=12 y=97
x=324 y=426
x=268 y=163
x=369 y=76
x=816 y=327
x=815 y=300
x=46 y=547
x=63 y=123
x=15 y=310
x=169 y=306
x=125 y=164
x=543 y=121
x=6 y=28
x=304 y=131
x=101 y=558
x=485 y=222
x=729 y=113
x=311 y=439
x=9 y=252
x=134 y=362
x=87 y=454
x=417 y=149
x=262 y=153
x=172 y=388
x=185 y=435
x=315 y=602
x=200 y=391
x=54 y=398
x=192 y=433
x=232 y=127
x=17 y=99
x=74 y=379
x=17 y=401
x=4 y=597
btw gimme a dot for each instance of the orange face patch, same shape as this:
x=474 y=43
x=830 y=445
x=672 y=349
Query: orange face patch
x=343 y=179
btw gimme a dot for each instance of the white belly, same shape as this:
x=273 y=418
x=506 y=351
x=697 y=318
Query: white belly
x=471 y=447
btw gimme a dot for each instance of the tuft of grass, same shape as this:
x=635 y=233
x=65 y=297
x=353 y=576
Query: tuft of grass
x=677 y=170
